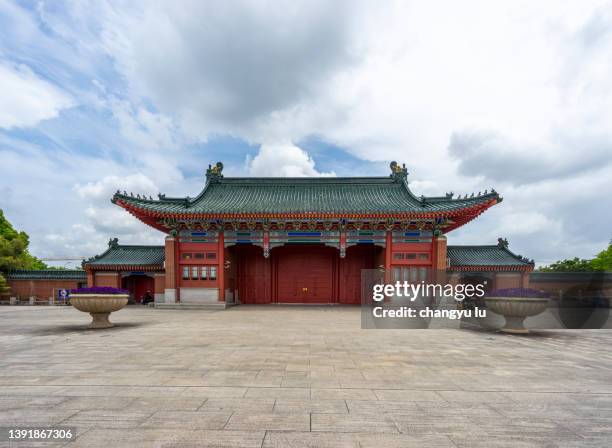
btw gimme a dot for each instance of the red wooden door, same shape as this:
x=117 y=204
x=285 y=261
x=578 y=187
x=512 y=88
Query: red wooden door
x=253 y=275
x=143 y=284
x=305 y=274
x=138 y=285
x=357 y=258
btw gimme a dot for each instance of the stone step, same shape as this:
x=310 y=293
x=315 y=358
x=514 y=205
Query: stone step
x=192 y=306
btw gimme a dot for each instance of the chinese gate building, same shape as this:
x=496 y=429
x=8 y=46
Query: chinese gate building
x=297 y=240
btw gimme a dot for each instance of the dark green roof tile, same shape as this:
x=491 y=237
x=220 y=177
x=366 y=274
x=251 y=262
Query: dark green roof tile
x=305 y=195
x=493 y=255
x=129 y=255
x=47 y=274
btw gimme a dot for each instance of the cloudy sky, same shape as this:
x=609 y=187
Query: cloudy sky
x=515 y=95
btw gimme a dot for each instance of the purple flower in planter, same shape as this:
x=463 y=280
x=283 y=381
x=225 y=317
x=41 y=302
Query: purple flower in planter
x=99 y=290
x=518 y=292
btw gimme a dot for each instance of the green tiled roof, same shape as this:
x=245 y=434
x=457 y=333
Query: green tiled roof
x=493 y=255
x=125 y=255
x=47 y=274
x=305 y=195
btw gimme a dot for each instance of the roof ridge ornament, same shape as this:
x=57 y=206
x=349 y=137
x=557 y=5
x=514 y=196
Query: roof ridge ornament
x=397 y=171
x=113 y=242
x=502 y=242
x=214 y=173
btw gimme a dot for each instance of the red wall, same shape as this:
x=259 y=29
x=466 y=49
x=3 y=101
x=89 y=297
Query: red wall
x=42 y=289
x=111 y=279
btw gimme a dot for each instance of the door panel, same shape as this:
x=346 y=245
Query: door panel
x=138 y=285
x=253 y=275
x=357 y=258
x=304 y=274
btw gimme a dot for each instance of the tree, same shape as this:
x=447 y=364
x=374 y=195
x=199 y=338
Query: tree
x=603 y=260
x=14 y=249
x=574 y=265
x=4 y=288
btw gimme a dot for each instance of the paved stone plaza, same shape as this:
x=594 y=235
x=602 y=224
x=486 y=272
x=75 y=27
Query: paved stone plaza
x=281 y=376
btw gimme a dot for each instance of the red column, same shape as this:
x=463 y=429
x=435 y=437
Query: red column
x=170 y=267
x=440 y=253
x=221 y=268
x=90 y=279
x=439 y=256
x=177 y=269
x=388 y=255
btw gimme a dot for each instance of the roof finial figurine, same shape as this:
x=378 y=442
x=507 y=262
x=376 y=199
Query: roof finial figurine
x=131 y=194
x=398 y=171
x=113 y=242
x=124 y=193
x=214 y=172
x=502 y=242
x=472 y=195
x=486 y=192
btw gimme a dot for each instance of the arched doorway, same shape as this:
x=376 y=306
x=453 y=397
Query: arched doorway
x=137 y=285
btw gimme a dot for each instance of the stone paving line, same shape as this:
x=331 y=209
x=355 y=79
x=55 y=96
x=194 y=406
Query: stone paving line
x=294 y=376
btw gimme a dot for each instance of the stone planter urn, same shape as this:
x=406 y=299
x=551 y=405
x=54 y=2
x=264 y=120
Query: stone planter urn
x=516 y=305
x=99 y=302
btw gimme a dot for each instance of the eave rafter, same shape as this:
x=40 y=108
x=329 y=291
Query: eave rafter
x=123 y=267
x=487 y=268
x=455 y=218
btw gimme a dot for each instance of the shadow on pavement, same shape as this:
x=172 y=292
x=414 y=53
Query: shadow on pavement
x=81 y=328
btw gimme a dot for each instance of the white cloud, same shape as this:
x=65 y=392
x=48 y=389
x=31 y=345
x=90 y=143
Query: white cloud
x=26 y=99
x=112 y=220
x=64 y=212
x=237 y=67
x=108 y=185
x=142 y=128
x=283 y=160
x=500 y=159
x=523 y=86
